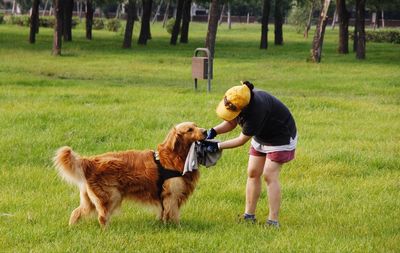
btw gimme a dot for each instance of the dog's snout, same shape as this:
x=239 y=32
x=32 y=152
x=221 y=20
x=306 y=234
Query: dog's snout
x=205 y=133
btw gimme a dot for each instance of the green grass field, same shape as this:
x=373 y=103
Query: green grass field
x=340 y=194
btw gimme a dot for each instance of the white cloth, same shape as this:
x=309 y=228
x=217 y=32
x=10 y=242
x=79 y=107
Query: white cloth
x=268 y=149
x=198 y=155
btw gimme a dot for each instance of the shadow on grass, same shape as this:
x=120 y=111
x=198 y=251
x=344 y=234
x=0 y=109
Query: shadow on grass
x=145 y=225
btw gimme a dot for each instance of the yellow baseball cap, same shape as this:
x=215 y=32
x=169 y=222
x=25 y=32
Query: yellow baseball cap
x=235 y=99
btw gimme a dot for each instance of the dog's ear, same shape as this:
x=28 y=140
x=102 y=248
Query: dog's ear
x=172 y=139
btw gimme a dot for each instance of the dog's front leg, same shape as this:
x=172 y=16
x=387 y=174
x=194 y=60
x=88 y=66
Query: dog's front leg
x=171 y=210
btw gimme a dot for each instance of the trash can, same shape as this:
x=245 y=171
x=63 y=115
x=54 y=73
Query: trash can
x=202 y=67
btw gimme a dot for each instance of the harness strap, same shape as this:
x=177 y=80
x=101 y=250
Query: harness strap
x=163 y=174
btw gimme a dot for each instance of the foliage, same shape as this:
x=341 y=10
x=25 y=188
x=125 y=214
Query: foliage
x=24 y=20
x=113 y=25
x=21 y=20
x=1 y=18
x=388 y=36
x=169 y=26
x=299 y=13
x=25 y=5
x=98 y=24
x=340 y=194
x=47 y=21
x=298 y=17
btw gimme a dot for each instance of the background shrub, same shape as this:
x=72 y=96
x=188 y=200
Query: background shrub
x=298 y=18
x=22 y=20
x=170 y=25
x=75 y=22
x=98 y=23
x=380 y=36
x=1 y=18
x=47 y=21
x=113 y=25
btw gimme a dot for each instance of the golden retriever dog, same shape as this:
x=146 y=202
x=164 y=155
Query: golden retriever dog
x=150 y=177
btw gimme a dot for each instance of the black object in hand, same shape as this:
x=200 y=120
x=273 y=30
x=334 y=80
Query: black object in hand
x=211 y=146
x=211 y=133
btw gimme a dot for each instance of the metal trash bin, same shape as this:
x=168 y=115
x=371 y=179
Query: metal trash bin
x=202 y=67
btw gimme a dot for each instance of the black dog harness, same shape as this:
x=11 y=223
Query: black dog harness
x=163 y=173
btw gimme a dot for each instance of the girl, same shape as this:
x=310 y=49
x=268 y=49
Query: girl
x=269 y=124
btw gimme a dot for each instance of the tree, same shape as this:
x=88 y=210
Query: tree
x=344 y=16
x=212 y=27
x=278 y=22
x=301 y=15
x=145 y=27
x=130 y=20
x=58 y=26
x=185 y=21
x=68 y=6
x=166 y=13
x=177 y=25
x=360 y=27
x=264 y=24
x=312 y=7
x=383 y=5
x=89 y=18
x=34 y=23
x=316 y=50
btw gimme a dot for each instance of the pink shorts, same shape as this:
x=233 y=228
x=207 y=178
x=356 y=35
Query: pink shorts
x=278 y=156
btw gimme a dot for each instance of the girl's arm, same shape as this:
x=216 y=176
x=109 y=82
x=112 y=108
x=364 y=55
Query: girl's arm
x=225 y=126
x=233 y=143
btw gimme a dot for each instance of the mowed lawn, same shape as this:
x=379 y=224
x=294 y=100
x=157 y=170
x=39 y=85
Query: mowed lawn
x=340 y=194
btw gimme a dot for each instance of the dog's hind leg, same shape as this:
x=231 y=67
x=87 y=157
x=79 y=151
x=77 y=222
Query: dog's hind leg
x=114 y=201
x=85 y=207
x=99 y=200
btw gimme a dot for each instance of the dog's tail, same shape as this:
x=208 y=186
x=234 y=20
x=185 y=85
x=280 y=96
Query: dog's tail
x=69 y=165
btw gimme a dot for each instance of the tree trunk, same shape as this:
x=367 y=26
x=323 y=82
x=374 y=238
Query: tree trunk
x=157 y=12
x=166 y=14
x=58 y=14
x=360 y=51
x=334 y=19
x=308 y=26
x=67 y=24
x=374 y=24
x=34 y=23
x=117 y=13
x=383 y=18
x=221 y=17
x=177 y=26
x=209 y=12
x=145 y=27
x=344 y=16
x=229 y=17
x=185 y=21
x=318 y=40
x=355 y=40
x=45 y=8
x=89 y=19
x=264 y=24
x=212 y=27
x=278 y=22
x=14 y=7
x=79 y=9
x=130 y=21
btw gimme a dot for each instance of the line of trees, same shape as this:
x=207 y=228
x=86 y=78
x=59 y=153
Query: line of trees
x=63 y=10
x=343 y=15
